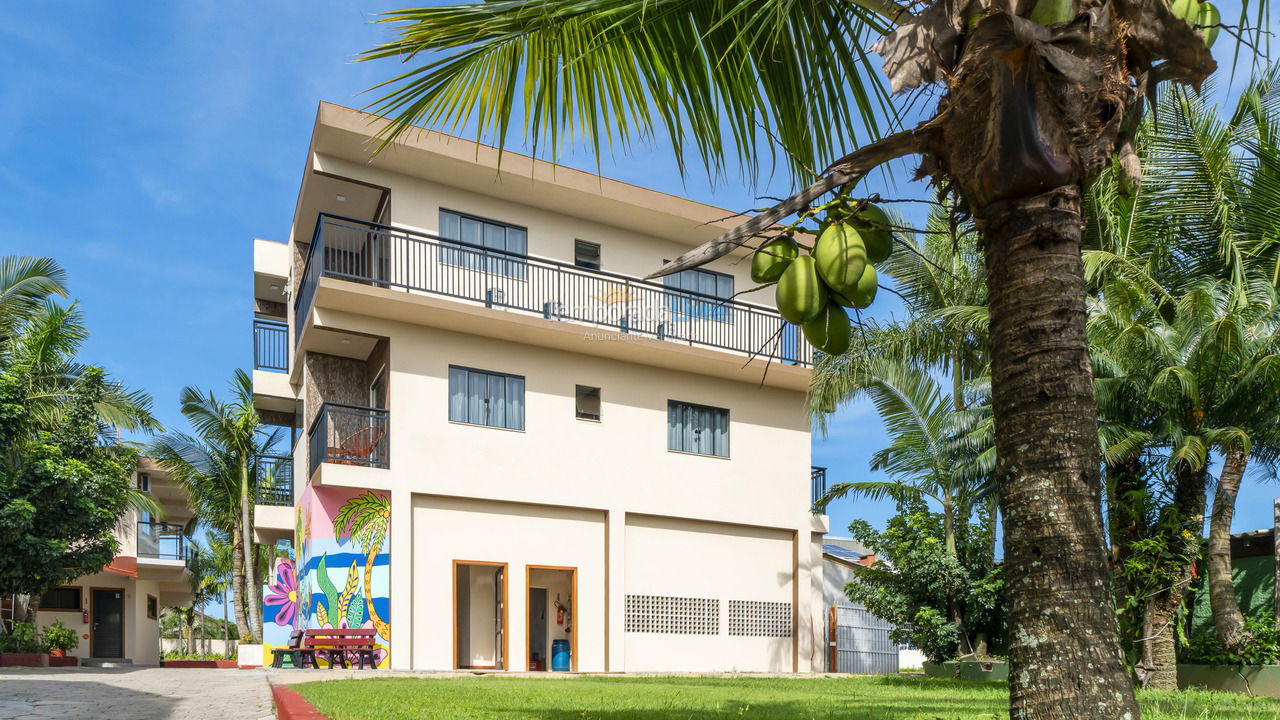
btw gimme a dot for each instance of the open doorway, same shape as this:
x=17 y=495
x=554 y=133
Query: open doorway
x=479 y=615
x=553 y=621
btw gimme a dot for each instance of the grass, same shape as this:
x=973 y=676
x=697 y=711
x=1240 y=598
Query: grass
x=687 y=698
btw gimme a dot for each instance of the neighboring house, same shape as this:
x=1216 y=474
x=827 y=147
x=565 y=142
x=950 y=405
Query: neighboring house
x=116 y=612
x=506 y=440
x=839 y=558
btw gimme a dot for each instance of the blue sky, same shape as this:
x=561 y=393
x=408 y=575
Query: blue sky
x=143 y=145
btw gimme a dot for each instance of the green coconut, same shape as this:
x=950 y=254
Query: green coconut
x=873 y=225
x=840 y=256
x=865 y=292
x=1053 y=12
x=1209 y=15
x=769 y=262
x=829 y=331
x=1188 y=10
x=801 y=295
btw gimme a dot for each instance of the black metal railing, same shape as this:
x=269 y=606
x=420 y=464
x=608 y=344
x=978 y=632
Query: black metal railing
x=161 y=540
x=349 y=435
x=817 y=485
x=270 y=345
x=275 y=480
x=386 y=256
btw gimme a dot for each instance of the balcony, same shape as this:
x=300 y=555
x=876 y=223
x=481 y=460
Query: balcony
x=395 y=258
x=275 y=480
x=817 y=485
x=161 y=541
x=270 y=345
x=349 y=435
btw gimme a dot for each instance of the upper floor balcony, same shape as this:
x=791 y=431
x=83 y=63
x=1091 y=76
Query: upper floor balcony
x=161 y=541
x=395 y=258
x=275 y=480
x=270 y=345
x=349 y=435
x=817 y=485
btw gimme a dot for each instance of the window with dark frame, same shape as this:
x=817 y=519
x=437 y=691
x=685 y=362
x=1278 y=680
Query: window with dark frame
x=586 y=254
x=62 y=598
x=479 y=397
x=588 y=402
x=473 y=236
x=683 y=305
x=153 y=607
x=144 y=482
x=697 y=429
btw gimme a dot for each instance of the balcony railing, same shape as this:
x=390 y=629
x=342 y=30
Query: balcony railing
x=160 y=540
x=817 y=485
x=385 y=256
x=270 y=345
x=349 y=435
x=275 y=480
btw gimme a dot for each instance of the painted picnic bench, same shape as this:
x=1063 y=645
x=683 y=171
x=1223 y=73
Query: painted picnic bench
x=332 y=644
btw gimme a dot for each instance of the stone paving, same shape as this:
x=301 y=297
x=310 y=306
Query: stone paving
x=141 y=693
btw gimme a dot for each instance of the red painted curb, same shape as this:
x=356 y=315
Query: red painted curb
x=292 y=706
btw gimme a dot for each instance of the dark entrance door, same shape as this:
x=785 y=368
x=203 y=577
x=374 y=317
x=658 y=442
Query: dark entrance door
x=107 y=640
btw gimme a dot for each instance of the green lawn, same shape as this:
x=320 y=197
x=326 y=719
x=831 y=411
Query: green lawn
x=601 y=698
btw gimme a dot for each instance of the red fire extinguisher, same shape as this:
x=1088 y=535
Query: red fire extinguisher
x=559 y=611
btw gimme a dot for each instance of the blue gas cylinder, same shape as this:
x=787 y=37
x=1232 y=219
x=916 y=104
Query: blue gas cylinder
x=560 y=655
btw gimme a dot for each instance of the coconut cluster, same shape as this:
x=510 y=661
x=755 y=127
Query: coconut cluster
x=814 y=288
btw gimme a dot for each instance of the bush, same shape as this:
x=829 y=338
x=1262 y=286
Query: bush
x=22 y=639
x=1264 y=650
x=176 y=655
x=60 y=637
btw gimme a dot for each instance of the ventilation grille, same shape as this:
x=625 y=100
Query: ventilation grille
x=759 y=619
x=673 y=615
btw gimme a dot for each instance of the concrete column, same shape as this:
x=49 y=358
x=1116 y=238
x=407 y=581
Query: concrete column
x=401 y=580
x=615 y=590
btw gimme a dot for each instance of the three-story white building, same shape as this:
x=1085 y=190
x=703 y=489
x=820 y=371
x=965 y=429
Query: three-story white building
x=508 y=450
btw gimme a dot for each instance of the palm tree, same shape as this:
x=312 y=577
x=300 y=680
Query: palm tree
x=365 y=519
x=925 y=460
x=220 y=469
x=1027 y=116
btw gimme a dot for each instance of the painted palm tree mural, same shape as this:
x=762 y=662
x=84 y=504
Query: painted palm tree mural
x=340 y=578
x=365 y=519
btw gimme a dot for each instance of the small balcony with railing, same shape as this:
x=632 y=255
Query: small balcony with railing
x=419 y=263
x=275 y=480
x=161 y=541
x=353 y=435
x=817 y=487
x=270 y=345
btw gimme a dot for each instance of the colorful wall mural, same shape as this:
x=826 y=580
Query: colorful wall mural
x=340 y=576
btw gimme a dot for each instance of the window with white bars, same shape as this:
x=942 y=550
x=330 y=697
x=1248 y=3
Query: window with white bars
x=672 y=615
x=759 y=619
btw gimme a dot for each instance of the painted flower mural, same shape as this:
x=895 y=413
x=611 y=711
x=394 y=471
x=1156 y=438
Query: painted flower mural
x=342 y=575
x=281 y=598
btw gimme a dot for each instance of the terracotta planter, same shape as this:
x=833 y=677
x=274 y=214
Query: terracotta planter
x=57 y=652
x=64 y=661
x=24 y=660
x=1262 y=680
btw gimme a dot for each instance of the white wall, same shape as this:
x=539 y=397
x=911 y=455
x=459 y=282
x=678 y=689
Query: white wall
x=141 y=634
x=449 y=529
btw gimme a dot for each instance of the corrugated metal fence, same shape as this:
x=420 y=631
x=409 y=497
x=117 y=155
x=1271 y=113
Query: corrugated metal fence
x=862 y=643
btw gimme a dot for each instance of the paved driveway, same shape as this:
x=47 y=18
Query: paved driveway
x=134 y=693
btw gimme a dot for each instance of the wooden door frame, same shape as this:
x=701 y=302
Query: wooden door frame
x=506 y=608
x=573 y=613
x=93 y=614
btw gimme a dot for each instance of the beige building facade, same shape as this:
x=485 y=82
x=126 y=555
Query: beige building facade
x=519 y=453
x=116 y=612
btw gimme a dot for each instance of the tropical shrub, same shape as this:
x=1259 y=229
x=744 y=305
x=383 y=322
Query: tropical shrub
x=22 y=639
x=1204 y=648
x=60 y=637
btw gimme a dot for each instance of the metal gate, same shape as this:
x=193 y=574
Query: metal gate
x=860 y=642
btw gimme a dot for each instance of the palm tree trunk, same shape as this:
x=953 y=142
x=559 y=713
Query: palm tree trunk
x=253 y=591
x=1162 y=610
x=380 y=625
x=1124 y=528
x=237 y=586
x=226 y=630
x=1062 y=620
x=1227 y=618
